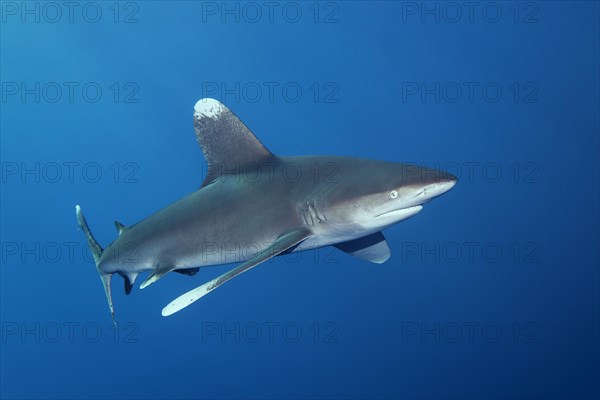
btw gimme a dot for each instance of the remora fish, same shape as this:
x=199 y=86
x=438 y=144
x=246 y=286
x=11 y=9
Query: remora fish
x=254 y=205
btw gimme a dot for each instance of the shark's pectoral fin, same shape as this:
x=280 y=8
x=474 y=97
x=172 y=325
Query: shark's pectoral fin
x=373 y=248
x=156 y=275
x=283 y=243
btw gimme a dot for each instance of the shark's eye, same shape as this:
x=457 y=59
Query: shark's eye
x=393 y=194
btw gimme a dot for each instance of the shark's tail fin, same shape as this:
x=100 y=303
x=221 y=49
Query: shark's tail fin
x=96 y=252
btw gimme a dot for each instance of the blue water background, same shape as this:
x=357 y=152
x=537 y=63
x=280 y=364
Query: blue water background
x=397 y=330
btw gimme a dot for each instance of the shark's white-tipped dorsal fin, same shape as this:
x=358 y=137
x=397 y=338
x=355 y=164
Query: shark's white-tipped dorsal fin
x=226 y=142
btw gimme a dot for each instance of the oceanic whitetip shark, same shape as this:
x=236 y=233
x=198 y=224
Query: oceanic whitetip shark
x=254 y=205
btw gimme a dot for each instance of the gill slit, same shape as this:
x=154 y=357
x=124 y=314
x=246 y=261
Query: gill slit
x=312 y=212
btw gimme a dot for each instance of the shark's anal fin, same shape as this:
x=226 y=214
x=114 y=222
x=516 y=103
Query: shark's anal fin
x=373 y=248
x=283 y=243
x=156 y=275
x=128 y=285
x=227 y=144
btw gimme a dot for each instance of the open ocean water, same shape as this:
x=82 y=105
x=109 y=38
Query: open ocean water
x=492 y=290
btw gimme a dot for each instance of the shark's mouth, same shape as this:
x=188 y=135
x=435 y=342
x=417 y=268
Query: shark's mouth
x=401 y=214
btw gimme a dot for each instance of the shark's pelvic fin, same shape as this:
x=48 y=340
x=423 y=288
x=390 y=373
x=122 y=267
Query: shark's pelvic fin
x=159 y=273
x=156 y=275
x=187 y=271
x=283 y=243
x=373 y=248
x=226 y=142
x=97 y=253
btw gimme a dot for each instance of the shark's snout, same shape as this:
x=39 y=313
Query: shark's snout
x=429 y=185
x=445 y=182
x=408 y=199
